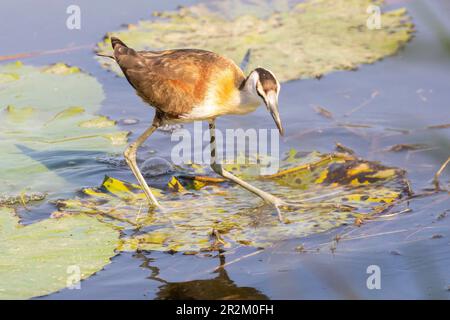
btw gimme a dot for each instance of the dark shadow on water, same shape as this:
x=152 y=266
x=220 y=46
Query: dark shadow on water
x=222 y=287
x=57 y=159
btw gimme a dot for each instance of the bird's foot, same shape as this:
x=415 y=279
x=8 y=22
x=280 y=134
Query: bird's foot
x=280 y=216
x=281 y=204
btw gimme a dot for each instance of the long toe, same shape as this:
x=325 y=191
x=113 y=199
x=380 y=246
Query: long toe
x=280 y=215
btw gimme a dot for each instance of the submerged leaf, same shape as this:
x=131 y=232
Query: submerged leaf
x=310 y=39
x=98 y=122
x=44 y=113
x=440 y=126
x=45 y=257
x=19 y=114
x=60 y=69
x=407 y=147
x=67 y=113
x=21 y=199
x=8 y=77
x=332 y=190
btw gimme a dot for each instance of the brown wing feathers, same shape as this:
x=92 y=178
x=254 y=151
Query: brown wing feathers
x=159 y=78
x=173 y=81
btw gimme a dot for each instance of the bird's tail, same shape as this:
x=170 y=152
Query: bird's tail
x=116 y=41
x=121 y=49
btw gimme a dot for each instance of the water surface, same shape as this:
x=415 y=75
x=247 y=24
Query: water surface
x=412 y=91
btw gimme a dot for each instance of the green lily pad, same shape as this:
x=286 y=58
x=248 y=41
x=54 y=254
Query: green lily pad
x=41 y=258
x=334 y=190
x=310 y=39
x=48 y=109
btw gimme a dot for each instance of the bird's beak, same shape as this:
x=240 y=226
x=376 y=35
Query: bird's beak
x=272 y=106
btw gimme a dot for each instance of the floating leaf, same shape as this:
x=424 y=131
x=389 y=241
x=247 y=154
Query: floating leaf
x=41 y=258
x=310 y=39
x=333 y=190
x=48 y=111
x=175 y=185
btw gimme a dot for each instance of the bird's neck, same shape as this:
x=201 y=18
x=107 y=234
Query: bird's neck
x=249 y=99
x=249 y=102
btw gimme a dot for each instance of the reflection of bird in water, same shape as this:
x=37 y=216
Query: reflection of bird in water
x=219 y=288
x=189 y=85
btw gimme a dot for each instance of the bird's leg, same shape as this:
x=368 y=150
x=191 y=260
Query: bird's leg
x=218 y=168
x=130 y=158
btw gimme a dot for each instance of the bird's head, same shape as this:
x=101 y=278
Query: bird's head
x=263 y=84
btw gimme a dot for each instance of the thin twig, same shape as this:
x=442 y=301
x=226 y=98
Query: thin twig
x=237 y=260
x=374 y=94
x=438 y=174
x=40 y=53
x=394 y=214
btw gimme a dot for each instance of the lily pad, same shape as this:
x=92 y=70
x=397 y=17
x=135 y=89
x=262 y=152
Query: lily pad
x=333 y=189
x=39 y=259
x=310 y=39
x=48 y=109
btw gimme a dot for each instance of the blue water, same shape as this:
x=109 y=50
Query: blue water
x=413 y=93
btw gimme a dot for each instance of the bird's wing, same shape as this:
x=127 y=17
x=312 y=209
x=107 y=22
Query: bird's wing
x=173 y=81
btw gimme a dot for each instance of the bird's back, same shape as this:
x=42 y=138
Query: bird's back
x=178 y=81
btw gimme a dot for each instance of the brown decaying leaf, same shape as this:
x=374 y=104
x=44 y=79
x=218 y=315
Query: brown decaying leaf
x=341 y=148
x=406 y=147
x=323 y=112
x=440 y=126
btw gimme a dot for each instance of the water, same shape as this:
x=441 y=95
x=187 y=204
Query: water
x=411 y=248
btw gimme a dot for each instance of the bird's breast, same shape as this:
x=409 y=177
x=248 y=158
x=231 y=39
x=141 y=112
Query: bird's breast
x=222 y=97
x=211 y=109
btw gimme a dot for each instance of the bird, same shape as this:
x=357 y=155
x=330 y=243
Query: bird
x=187 y=85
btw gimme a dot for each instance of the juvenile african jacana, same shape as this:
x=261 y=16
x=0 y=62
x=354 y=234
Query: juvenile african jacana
x=188 y=85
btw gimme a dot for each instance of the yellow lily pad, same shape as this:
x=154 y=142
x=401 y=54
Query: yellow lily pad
x=332 y=189
x=52 y=254
x=44 y=112
x=310 y=39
